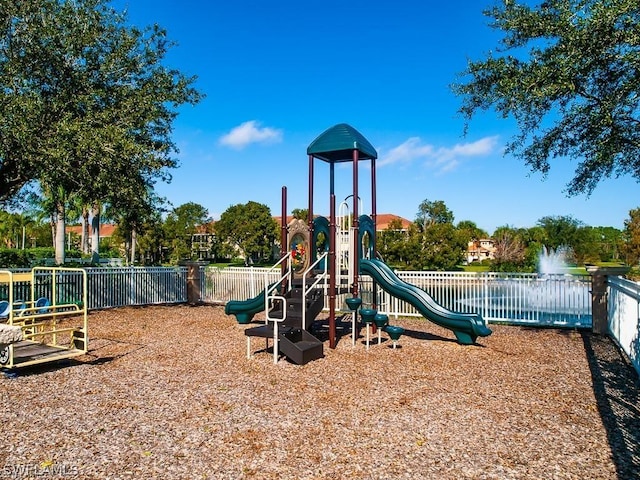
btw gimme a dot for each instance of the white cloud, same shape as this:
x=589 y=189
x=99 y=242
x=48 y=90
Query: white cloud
x=407 y=152
x=250 y=132
x=442 y=159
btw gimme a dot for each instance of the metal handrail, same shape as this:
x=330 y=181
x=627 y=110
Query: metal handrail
x=268 y=289
x=304 y=285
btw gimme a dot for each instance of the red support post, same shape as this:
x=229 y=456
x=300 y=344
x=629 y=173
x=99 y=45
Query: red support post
x=374 y=200
x=332 y=272
x=310 y=212
x=355 y=262
x=283 y=231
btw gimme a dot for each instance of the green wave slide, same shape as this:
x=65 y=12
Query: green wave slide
x=244 y=310
x=467 y=327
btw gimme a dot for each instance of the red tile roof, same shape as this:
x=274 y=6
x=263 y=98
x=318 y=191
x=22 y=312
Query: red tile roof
x=106 y=229
x=384 y=219
x=382 y=222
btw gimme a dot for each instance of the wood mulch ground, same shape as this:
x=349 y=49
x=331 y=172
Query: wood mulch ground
x=167 y=392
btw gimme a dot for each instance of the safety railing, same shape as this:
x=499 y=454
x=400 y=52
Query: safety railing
x=270 y=298
x=316 y=281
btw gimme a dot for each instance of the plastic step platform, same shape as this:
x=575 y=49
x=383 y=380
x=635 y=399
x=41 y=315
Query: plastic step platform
x=264 y=331
x=300 y=346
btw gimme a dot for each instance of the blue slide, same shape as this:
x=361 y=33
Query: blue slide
x=467 y=327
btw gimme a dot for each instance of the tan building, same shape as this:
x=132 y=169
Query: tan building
x=479 y=250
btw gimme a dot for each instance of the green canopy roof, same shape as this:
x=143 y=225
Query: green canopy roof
x=337 y=144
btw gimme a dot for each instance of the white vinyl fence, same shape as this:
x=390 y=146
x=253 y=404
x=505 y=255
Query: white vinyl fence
x=554 y=300
x=219 y=285
x=121 y=286
x=529 y=299
x=624 y=316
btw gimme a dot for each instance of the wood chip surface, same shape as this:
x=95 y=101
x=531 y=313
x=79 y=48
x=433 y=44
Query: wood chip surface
x=167 y=392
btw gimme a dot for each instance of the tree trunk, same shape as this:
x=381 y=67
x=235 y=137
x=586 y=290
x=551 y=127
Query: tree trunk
x=52 y=224
x=60 y=233
x=85 y=230
x=134 y=240
x=95 y=234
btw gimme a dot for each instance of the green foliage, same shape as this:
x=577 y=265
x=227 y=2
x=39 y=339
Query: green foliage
x=14 y=228
x=30 y=257
x=471 y=231
x=560 y=230
x=511 y=251
x=430 y=213
x=432 y=242
x=301 y=213
x=43 y=252
x=13 y=258
x=391 y=242
x=87 y=104
x=140 y=226
x=567 y=72
x=179 y=226
x=439 y=247
x=248 y=228
x=444 y=247
x=150 y=242
x=519 y=249
x=185 y=219
x=631 y=235
x=609 y=243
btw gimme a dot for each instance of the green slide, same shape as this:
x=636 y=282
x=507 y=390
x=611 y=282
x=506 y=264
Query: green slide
x=467 y=327
x=244 y=310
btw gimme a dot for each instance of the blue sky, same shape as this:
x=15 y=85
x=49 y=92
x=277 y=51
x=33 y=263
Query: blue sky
x=277 y=74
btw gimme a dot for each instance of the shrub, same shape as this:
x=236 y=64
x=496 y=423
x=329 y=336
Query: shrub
x=13 y=258
x=31 y=257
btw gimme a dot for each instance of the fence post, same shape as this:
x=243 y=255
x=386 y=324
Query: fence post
x=193 y=283
x=599 y=307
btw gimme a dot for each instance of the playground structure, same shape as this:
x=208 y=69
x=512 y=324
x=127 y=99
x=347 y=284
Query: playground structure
x=43 y=316
x=326 y=257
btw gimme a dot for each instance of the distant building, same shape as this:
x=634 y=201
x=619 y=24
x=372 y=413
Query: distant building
x=202 y=242
x=384 y=219
x=481 y=249
x=106 y=230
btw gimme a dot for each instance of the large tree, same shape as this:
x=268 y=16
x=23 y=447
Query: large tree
x=179 y=227
x=433 y=212
x=139 y=220
x=433 y=242
x=568 y=72
x=390 y=242
x=560 y=230
x=85 y=101
x=631 y=249
x=510 y=250
x=247 y=229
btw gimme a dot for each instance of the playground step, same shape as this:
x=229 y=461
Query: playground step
x=297 y=291
x=314 y=305
x=264 y=331
x=296 y=344
x=300 y=346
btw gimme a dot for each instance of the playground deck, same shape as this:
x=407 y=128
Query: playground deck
x=34 y=352
x=167 y=392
